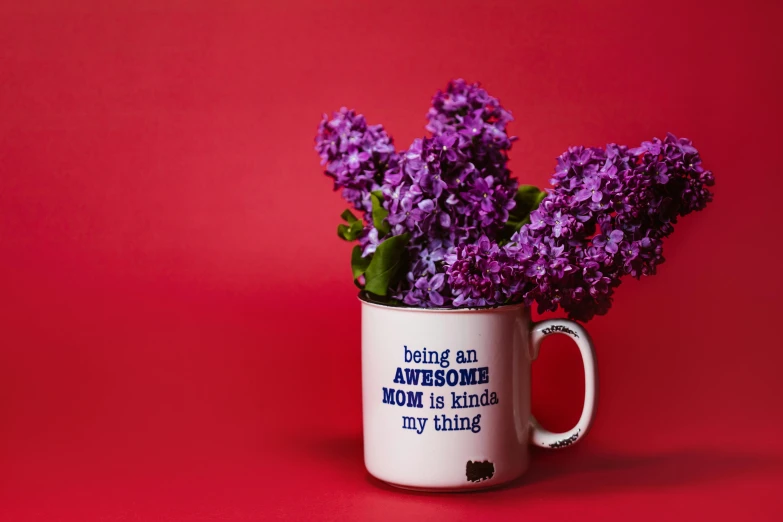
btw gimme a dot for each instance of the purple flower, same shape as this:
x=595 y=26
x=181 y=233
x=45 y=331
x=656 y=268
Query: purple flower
x=445 y=144
x=537 y=220
x=609 y=242
x=630 y=253
x=407 y=216
x=659 y=173
x=392 y=195
x=560 y=223
x=369 y=242
x=591 y=189
x=651 y=147
x=356 y=158
x=537 y=269
x=473 y=126
x=432 y=255
x=481 y=192
x=430 y=287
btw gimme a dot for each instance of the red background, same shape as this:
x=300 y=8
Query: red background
x=179 y=337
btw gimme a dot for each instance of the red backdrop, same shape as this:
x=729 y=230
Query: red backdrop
x=179 y=336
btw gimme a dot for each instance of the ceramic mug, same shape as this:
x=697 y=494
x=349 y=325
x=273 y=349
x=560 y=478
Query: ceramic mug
x=446 y=393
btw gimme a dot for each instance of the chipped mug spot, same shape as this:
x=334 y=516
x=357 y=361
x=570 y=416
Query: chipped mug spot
x=478 y=471
x=566 y=442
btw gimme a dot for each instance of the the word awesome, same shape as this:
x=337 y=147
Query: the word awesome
x=461 y=377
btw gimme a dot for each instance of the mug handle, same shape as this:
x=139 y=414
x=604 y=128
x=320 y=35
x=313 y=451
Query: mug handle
x=540 y=436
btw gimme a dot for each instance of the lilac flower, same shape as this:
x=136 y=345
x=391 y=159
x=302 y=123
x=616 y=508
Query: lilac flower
x=433 y=254
x=609 y=242
x=430 y=287
x=393 y=196
x=537 y=220
x=591 y=189
x=652 y=147
x=629 y=253
x=356 y=158
x=537 y=269
x=408 y=216
x=560 y=223
x=445 y=144
x=481 y=192
x=473 y=125
x=369 y=242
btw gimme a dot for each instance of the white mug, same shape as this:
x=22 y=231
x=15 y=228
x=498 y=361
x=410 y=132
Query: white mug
x=446 y=393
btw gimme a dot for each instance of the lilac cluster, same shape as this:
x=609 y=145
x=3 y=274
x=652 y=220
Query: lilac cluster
x=482 y=274
x=606 y=217
x=472 y=112
x=450 y=189
x=437 y=194
x=356 y=155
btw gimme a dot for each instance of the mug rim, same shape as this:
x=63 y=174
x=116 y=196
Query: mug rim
x=365 y=298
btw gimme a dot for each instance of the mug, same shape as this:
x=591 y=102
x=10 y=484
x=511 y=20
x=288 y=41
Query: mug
x=446 y=393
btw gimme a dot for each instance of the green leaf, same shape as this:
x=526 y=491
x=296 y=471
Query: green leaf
x=379 y=214
x=359 y=264
x=348 y=216
x=527 y=200
x=385 y=264
x=350 y=232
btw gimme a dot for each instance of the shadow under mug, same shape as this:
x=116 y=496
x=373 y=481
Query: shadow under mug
x=446 y=393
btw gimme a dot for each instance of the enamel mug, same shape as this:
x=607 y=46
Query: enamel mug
x=446 y=394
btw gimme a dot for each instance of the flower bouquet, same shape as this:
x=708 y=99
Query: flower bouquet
x=452 y=252
x=443 y=224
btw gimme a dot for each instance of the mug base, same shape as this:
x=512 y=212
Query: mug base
x=467 y=487
x=474 y=488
